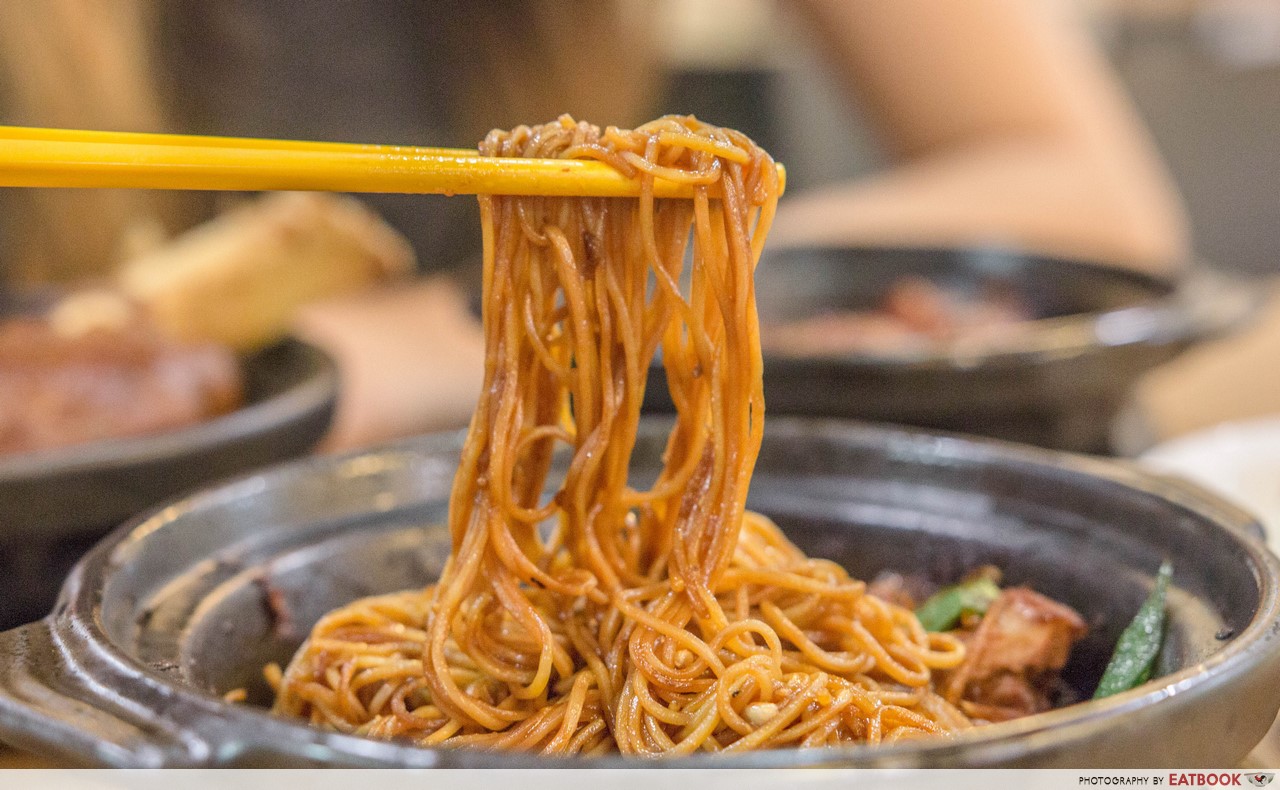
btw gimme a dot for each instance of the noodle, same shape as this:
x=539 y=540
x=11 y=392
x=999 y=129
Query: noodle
x=662 y=621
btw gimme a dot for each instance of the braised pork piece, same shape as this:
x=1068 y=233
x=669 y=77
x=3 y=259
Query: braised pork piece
x=59 y=388
x=914 y=316
x=1014 y=656
x=1015 y=648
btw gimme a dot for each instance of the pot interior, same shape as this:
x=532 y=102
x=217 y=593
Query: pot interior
x=210 y=590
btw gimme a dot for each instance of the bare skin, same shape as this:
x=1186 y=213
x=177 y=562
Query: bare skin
x=1006 y=126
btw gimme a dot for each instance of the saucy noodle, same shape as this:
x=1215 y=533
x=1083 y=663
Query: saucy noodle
x=600 y=617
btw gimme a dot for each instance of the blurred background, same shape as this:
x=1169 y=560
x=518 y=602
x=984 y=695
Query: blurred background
x=1204 y=76
x=1105 y=168
x=1125 y=135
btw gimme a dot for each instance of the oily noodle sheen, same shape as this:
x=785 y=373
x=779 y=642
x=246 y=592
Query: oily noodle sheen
x=650 y=622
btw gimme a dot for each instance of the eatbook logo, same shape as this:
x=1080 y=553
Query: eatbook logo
x=1260 y=780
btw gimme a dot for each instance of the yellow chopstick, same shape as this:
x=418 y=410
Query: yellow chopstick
x=193 y=140
x=72 y=158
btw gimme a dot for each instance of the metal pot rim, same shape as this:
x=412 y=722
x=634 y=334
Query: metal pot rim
x=200 y=728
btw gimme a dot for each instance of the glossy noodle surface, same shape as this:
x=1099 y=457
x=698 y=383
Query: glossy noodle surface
x=583 y=614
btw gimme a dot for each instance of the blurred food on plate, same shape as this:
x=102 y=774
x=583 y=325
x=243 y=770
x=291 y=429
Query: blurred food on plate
x=158 y=346
x=915 y=314
x=239 y=278
x=63 y=381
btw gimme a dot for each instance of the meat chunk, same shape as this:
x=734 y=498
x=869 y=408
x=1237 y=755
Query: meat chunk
x=915 y=316
x=57 y=390
x=1014 y=656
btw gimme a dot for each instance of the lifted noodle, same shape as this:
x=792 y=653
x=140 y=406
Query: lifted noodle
x=660 y=621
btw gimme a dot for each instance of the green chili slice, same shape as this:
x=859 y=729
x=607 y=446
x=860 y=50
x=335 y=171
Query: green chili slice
x=1135 y=655
x=943 y=610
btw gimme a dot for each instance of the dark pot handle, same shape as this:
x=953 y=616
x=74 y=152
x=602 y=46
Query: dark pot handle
x=47 y=707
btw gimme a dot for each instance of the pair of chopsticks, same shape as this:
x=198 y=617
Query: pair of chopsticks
x=32 y=157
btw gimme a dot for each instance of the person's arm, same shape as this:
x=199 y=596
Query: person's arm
x=1007 y=127
x=411 y=360
x=81 y=64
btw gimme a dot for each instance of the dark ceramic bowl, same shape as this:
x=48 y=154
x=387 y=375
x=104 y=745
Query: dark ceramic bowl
x=178 y=607
x=1059 y=382
x=56 y=504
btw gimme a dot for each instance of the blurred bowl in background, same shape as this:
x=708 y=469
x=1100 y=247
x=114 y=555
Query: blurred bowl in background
x=1057 y=380
x=55 y=504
